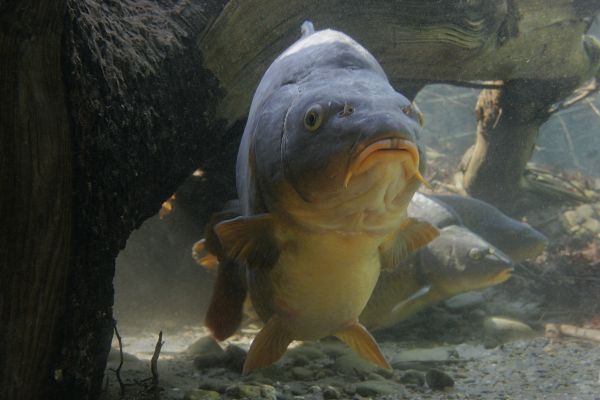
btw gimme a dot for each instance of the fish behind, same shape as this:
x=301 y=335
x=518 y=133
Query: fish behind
x=327 y=165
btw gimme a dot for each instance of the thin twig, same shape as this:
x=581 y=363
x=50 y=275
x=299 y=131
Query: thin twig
x=118 y=370
x=154 y=364
x=569 y=141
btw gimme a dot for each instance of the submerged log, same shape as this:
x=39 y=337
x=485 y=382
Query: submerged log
x=508 y=122
x=415 y=40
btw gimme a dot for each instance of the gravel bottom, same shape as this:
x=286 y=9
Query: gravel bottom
x=532 y=368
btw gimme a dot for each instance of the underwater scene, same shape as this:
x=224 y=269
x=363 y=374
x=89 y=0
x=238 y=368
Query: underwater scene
x=390 y=229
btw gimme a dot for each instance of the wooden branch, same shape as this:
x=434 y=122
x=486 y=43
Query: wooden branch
x=553 y=331
x=117 y=371
x=154 y=364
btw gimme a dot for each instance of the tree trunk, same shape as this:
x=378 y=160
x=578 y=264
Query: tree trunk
x=35 y=208
x=508 y=121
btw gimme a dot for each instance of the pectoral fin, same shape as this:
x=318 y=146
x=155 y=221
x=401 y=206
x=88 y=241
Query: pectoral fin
x=268 y=345
x=411 y=236
x=225 y=311
x=360 y=340
x=412 y=304
x=203 y=257
x=249 y=239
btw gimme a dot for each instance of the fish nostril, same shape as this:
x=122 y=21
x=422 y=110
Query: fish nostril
x=348 y=110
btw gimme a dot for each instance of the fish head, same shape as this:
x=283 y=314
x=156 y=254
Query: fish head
x=349 y=153
x=459 y=260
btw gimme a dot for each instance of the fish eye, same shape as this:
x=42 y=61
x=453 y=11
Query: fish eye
x=475 y=254
x=313 y=118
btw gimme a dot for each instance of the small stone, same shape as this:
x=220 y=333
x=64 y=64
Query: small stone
x=213 y=384
x=204 y=346
x=584 y=212
x=302 y=373
x=199 y=394
x=268 y=392
x=330 y=392
x=413 y=377
x=507 y=329
x=234 y=358
x=374 y=388
x=570 y=219
x=438 y=380
x=351 y=363
x=592 y=225
x=314 y=389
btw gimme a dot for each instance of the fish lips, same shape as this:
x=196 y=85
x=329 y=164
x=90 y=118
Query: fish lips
x=384 y=146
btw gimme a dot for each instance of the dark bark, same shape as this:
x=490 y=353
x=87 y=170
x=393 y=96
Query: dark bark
x=142 y=114
x=35 y=207
x=508 y=121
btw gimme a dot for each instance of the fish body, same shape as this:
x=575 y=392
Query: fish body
x=457 y=261
x=516 y=239
x=327 y=165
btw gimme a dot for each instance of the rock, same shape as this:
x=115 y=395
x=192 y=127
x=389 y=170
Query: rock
x=206 y=345
x=584 y=212
x=571 y=219
x=252 y=392
x=413 y=377
x=330 y=392
x=302 y=373
x=373 y=388
x=234 y=358
x=199 y=394
x=465 y=300
x=507 y=329
x=214 y=384
x=306 y=352
x=592 y=225
x=438 y=380
x=350 y=363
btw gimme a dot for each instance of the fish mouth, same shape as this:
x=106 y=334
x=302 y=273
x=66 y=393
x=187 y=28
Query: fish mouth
x=503 y=275
x=392 y=147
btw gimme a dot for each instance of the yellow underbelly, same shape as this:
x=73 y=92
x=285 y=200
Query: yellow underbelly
x=323 y=282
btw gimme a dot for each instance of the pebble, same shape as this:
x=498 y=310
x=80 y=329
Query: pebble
x=234 y=358
x=330 y=392
x=507 y=329
x=438 y=380
x=302 y=373
x=374 y=388
x=252 y=392
x=349 y=364
x=214 y=384
x=204 y=346
x=413 y=377
x=198 y=394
